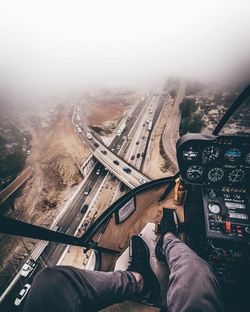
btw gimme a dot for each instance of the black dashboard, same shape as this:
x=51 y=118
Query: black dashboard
x=216 y=170
x=214 y=160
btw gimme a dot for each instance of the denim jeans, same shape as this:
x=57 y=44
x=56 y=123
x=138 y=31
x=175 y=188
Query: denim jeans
x=192 y=285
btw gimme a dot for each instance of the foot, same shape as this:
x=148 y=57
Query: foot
x=167 y=225
x=140 y=263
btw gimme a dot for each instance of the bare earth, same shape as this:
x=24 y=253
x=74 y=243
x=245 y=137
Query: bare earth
x=54 y=151
x=107 y=111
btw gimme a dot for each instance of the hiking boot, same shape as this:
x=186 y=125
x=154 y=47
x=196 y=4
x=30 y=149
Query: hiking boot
x=140 y=262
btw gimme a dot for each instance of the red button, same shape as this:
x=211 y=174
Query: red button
x=228 y=227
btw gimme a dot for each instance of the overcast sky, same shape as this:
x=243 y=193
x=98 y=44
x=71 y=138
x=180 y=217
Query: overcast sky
x=52 y=44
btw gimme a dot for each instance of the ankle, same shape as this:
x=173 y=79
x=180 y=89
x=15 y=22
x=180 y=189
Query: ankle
x=169 y=235
x=139 y=281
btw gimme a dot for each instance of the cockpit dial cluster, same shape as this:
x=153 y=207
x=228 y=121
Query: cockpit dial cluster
x=214 y=159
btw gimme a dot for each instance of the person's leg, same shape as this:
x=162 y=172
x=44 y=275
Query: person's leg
x=192 y=284
x=65 y=288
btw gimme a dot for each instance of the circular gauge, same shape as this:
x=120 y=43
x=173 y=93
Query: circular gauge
x=247 y=159
x=215 y=174
x=210 y=153
x=232 y=155
x=194 y=172
x=190 y=154
x=214 y=208
x=236 y=176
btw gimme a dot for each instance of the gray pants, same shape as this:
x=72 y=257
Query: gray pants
x=192 y=285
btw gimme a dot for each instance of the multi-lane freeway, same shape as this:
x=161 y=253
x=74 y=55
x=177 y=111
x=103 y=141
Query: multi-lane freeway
x=68 y=222
x=127 y=150
x=127 y=168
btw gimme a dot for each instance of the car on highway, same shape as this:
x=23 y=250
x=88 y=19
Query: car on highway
x=87 y=191
x=104 y=152
x=23 y=293
x=138 y=155
x=137 y=143
x=116 y=162
x=132 y=157
x=98 y=171
x=118 y=147
x=28 y=267
x=89 y=136
x=84 y=208
x=143 y=181
x=126 y=169
x=122 y=187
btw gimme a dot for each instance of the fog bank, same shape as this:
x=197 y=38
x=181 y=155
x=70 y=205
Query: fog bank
x=55 y=46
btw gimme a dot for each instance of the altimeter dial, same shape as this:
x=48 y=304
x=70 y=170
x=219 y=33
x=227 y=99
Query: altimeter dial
x=194 y=172
x=215 y=174
x=210 y=153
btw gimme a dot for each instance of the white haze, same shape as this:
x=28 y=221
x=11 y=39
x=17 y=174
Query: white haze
x=59 y=46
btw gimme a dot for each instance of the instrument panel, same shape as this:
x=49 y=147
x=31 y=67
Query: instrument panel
x=214 y=160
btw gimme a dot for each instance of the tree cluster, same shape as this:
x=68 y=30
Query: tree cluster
x=191 y=121
x=12 y=164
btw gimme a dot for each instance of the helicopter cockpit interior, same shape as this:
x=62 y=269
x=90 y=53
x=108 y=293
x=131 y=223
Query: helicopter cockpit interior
x=213 y=202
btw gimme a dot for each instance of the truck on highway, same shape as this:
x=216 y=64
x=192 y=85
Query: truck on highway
x=150 y=126
x=79 y=129
x=119 y=131
x=89 y=136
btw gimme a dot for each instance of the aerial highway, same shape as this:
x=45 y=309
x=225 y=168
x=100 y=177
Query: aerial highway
x=111 y=158
x=68 y=221
x=126 y=168
x=171 y=131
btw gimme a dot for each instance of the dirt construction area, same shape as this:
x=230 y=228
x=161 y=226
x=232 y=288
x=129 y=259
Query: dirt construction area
x=104 y=113
x=55 y=151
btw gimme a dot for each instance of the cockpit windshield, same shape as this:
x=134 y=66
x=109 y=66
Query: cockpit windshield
x=239 y=123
